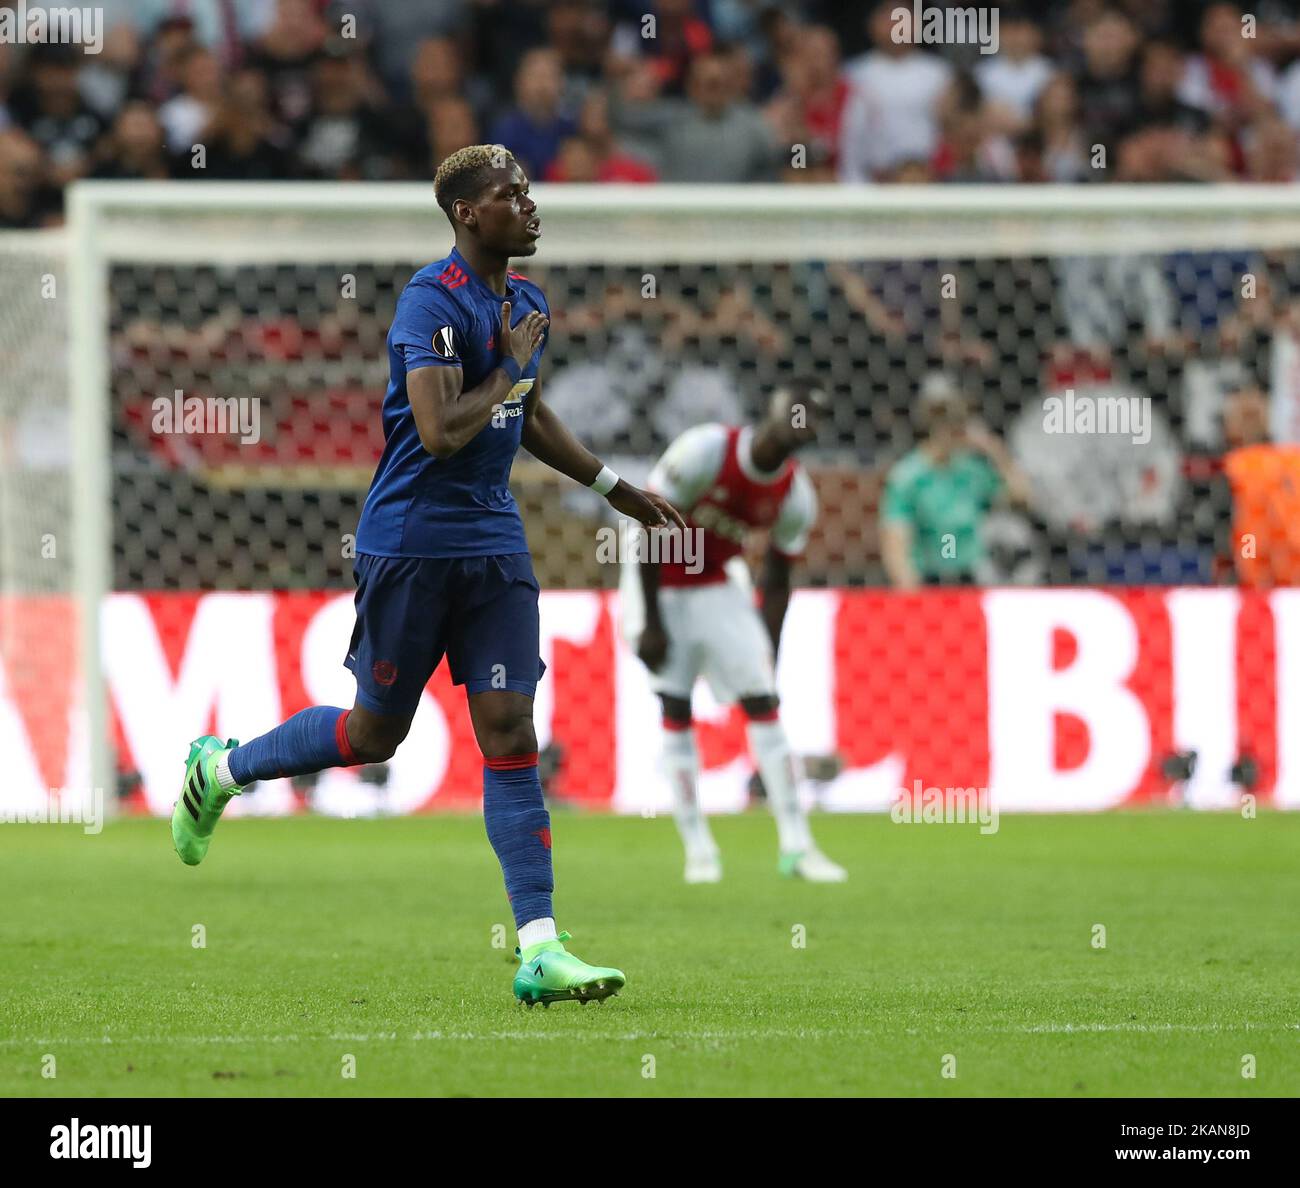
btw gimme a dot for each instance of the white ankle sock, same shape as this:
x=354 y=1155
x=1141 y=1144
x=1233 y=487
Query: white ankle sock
x=681 y=764
x=536 y=931
x=771 y=752
x=225 y=781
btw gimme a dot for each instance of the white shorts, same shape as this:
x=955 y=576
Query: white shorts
x=714 y=632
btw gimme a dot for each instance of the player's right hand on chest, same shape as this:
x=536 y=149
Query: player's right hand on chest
x=521 y=342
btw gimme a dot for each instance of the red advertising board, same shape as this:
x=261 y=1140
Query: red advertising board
x=1059 y=699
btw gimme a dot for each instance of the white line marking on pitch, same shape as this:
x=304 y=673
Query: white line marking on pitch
x=629 y=1037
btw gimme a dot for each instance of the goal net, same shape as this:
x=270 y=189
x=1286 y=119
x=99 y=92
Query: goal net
x=189 y=421
x=40 y=664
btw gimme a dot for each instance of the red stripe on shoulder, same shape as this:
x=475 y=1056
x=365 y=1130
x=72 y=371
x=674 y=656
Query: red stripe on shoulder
x=452 y=277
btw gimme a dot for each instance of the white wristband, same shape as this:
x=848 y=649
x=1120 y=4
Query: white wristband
x=605 y=481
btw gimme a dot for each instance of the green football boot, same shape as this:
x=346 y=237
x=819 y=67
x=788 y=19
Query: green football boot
x=811 y=865
x=548 y=973
x=201 y=802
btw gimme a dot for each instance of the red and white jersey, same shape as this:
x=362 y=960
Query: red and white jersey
x=709 y=474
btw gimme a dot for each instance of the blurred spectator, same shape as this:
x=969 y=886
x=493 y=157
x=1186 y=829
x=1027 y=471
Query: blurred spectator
x=537 y=125
x=1262 y=335
x=24 y=201
x=49 y=108
x=740 y=68
x=659 y=362
x=1169 y=139
x=938 y=496
x=893 y=114
x=164 y=60
x=135 y=148
x=678 y=38
x=399 y=29
x=766 y=29
x=712 y=136
x=1160 y=79
x=622 y=365
x=1028 y=149
x=1206 y=287
x=732 y=318
x=809 y=107
x=1281 y=333
x=106 y=80
x=1229 y=79
x=1288 y=94
x=1162 y=154
x=696 y=393
x=575 y=163
x=594 y=154
x=348 y=133
x=1108 y=86
x=1013 y=78
x=904 y=310
x=286 y=53
x=1207 y=383
x=451 y=126
x=1064 y=154
x=1102 y=296
x=972 y=147
x=1265 y=484
x=1107 y=460
x=243 y=141
x=579 y=31
x=185 y=117
x=438 y=72
x=779 y=35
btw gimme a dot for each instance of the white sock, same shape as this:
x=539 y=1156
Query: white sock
x=771 y=752
x=225 y=781
x=681 y=765
x=536 y=931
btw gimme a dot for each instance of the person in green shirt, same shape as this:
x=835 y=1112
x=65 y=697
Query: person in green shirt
x=938 y=495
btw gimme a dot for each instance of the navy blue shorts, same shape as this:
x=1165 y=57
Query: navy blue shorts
x=480 y=612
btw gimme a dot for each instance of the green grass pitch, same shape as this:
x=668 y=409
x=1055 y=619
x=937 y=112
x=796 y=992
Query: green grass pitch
x=373 y=940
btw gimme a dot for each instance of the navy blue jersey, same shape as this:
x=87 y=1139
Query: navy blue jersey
x=422 y=506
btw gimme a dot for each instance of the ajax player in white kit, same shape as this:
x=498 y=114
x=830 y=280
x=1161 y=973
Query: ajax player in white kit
x=728 y=482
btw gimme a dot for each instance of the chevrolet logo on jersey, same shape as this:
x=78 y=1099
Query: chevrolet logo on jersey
x=513 y=404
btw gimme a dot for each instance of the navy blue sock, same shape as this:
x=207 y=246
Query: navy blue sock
x=519 y=828
x=312 y=740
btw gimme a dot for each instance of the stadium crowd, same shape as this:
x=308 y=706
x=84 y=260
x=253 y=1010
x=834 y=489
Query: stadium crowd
x=722 y=92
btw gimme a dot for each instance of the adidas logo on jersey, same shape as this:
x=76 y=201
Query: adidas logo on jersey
x=453 y=276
